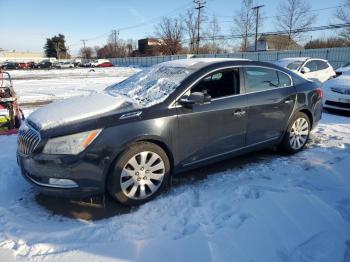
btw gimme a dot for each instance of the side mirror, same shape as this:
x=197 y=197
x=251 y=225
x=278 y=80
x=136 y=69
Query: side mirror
x=194 y=98
x=305 y=70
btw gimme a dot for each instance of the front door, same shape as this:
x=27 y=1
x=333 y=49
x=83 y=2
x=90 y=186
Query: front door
x=215 y=128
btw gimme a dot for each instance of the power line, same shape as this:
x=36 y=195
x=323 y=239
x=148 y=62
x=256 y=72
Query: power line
x=299 y=30
x=136 y=25
x=153 y=19
x=277 y=16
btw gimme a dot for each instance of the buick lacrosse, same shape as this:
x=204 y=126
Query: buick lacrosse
x=128 y=140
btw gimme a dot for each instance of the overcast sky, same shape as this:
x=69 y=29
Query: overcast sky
x=25 y=25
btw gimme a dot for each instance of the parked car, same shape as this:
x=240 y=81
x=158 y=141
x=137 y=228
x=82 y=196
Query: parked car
x=9 y=65
x=44 y=65
x=23 y=65
x=64 y=65
x=342 y=69
x=86 y=64
x=337 y=92
x=172 y=117
x=31 y=64
x=106 y=64
x=310 y=68
x=97 y=62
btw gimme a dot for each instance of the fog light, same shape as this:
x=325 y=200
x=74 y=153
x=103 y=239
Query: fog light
x=66 y=183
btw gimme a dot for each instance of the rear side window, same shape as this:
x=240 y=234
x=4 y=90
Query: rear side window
x=321 y=65
x=260 y=79
x=284 y=79
x=312 y=65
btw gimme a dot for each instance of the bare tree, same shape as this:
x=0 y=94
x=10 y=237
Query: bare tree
x=86 y=52
x=343 y=15
x=190 y=26
x=170 y=31
x=130 y=46
x=292 y=15
x=212 y=32
x=244 y=22
x=96 y=49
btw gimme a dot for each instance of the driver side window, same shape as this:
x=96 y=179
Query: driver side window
x=219 y=84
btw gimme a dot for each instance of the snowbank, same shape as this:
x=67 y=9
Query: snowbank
x=259 y=207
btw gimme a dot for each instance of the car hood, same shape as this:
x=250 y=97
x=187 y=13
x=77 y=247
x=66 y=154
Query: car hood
x=343 y=69
x=79 y=109
x=342 y=81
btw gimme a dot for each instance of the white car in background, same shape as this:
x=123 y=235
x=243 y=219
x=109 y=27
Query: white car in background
x=346 y=67
x=336 y=92
x=310 y=68
x=67 y=64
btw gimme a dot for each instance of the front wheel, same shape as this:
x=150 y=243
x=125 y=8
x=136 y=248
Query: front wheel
x=140 y=174
x=297 y=134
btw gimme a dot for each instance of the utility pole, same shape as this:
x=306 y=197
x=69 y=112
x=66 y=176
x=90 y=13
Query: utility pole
x=200 y=4
x=114 y=39
x=57 y=48
x=83 y=40
x=256 y=8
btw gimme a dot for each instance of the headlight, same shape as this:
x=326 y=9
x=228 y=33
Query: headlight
x=71 y=144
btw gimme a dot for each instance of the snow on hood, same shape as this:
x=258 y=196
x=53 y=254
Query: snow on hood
x=76 y=109
x=343 y=69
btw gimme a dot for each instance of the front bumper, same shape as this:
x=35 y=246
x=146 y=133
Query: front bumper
x=87 y=174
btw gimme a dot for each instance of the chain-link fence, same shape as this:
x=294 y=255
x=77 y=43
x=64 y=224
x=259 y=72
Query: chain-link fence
x=336 y=56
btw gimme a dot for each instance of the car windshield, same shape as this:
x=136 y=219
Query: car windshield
x=151 y=85
x=294 y=65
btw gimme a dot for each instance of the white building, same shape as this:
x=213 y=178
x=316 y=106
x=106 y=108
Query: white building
x=14 y=56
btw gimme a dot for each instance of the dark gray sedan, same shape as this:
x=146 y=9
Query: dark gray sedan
x=174 y=116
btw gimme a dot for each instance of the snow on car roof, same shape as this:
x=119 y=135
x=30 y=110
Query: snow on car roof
x=190 y=62
x=291 y=59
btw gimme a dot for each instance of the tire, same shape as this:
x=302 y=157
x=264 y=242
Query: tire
x=132 y=181
x=297 y=134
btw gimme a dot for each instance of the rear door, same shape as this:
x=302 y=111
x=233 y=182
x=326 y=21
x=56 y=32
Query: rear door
x=271 y=98
x=217 y=127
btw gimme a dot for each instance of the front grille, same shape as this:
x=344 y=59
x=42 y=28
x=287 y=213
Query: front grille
x=337 y=104
x=28 y=140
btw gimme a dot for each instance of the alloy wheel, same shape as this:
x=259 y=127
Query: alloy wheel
x=299 y=133
x=142 y=175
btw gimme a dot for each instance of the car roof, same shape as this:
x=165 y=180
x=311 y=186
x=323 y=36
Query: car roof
x=197 y=63
x=292 y=59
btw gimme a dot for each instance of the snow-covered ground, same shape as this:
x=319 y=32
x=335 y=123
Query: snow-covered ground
x=259 y=207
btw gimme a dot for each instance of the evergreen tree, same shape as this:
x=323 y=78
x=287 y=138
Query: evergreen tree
x=56 y=47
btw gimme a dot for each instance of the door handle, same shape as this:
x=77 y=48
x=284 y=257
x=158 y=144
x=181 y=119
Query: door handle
x=289 y=101
x=239 y=112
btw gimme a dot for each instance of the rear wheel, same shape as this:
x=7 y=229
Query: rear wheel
x=297 y=134
x=140 y=174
